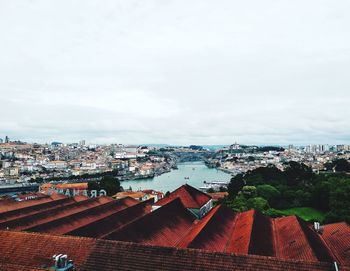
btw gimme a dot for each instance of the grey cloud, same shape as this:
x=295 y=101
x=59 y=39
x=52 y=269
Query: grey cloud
x=177 y=72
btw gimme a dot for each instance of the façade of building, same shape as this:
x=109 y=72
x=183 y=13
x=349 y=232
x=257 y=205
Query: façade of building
x=107 y=234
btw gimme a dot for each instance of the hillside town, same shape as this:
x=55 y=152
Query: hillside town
x=238 y=158
x=23 y=162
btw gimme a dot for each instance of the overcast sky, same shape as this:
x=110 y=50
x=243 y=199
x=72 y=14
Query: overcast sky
x=176 y=72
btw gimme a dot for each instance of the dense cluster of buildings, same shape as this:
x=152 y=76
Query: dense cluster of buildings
x=21 y=162
x=182 y=231
x=239 y=159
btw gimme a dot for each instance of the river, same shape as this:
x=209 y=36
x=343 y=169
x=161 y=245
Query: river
x=197 y=172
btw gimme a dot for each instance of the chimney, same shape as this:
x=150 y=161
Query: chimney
x=318 y=228
x=61 y=263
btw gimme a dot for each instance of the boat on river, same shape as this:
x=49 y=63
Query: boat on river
x=215 y=185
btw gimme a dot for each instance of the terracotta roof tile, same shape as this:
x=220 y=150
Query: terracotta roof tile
x=13 y=219
x=9 y=205
x=114 y=221
x=262 y=236
x=32 y=251
x=190 y=197
x=241 y=233
x=164 y=226
x=212 y=232
x=291 y=242
x=316 y=243
x=45 y=216
x=105 y=206
x=108 y=256
x=337 y=238
x=36 y=250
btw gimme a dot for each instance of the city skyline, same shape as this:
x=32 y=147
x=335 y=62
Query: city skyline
x=83 y=142
x=175 y=72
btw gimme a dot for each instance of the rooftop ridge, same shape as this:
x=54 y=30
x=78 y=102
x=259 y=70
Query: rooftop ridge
x=231 y=231
x=261 y=237
x=275 y=238
x=98 y=254
x=17 y=221
x=292 y=241
x=187 y=195
x=337 y=237
x=141 y=205
x=214 y=236
x=153 y=226
x=317 y=244
x=49 y=215
x=191 y=190
x=69 y=237
x=43 y=202
x=99 y=204
x=243 y=229
x=197 y=228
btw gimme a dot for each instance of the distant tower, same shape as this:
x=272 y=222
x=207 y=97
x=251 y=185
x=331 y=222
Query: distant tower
x=7 y=140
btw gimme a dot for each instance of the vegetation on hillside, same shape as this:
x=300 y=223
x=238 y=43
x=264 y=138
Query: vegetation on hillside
x=306 y=213
x=338 y=165
x=271 y=190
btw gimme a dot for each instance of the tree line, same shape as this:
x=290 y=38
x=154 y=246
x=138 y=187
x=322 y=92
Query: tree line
x=269 y=189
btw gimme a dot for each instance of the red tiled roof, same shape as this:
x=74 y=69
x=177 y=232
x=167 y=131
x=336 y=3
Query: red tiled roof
x=114 y=221
x=218 y=195
x=221 y=230
x=32 y=251
x=8 y=205
x=33 y=209
x=321 y=250
x=291 y=242
x=262 y=236
x=17 y=267
x=240 y=237
x=164 y=226
x=105 y=206
x=36 y=250
x=190 y=197
x=337 y=238
x=212 y=232
x=45 y=216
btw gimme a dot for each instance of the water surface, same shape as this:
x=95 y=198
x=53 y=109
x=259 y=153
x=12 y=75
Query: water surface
x=197 y=172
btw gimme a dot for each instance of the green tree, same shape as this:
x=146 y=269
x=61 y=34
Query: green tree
x=339 y=202
x=239 y=204
x=268 y=192
x=258 y=203
x=341 y=165
x=111 y=185
x=108 y=183
x=235 y=185
x=297 y=174
x=249 y=191
x=93 y=186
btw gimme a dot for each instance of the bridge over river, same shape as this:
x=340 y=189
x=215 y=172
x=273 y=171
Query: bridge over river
x=193 y=173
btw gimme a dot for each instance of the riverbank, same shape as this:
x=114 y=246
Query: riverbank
x=196 y=172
